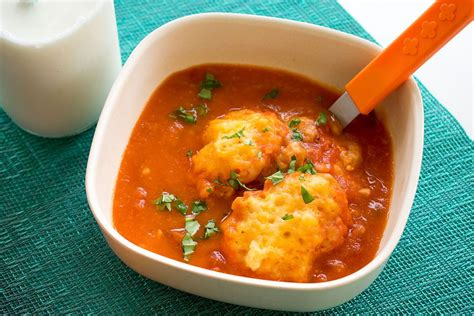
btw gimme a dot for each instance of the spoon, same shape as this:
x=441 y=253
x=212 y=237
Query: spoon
x=395 y=64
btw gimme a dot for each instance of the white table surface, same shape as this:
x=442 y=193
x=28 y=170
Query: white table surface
x=448 y=74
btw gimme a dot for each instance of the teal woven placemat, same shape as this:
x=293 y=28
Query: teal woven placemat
x=54 y=258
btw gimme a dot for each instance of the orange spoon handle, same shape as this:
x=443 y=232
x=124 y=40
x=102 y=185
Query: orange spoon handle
x=434 y=28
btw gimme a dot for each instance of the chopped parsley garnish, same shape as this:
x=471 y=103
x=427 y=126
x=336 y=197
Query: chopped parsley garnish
x=287 y=217
x=188 y=116
x=308 y=167
x=238 y=134
x=307 y=197
x=165 y=200
x=205 y=94
x=209 y=190
x=235 y=183
x=272 y=94
x=181 y=206
x=189 y=153
x=294 y=122
x=276 y=178
x=301 y=177
x=191 y=225
x=202 y=109
x=296 y=135
x=210 y=82
x=292 y=165
x=188 y=245
x=207 y=85
x=266 y=129
x=198 y=206
x=210 y=229
x=168 y=200
x=233 y=180
x=322 y=119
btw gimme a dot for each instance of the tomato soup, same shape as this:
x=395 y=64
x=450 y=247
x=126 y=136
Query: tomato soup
x=157 y=189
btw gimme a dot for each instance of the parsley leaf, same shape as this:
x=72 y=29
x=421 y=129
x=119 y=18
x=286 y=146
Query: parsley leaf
x=188 y=116
x=202 y=109
x=238 y=134
x=272 y=94
x=276 y=178
x=266 y=129
x=168 y=200
x=292 y=165
x=233 y=180
x=207 y=85
x=297 y=135
x=209 y=190
x=322 y=119
x=181 y=206
x=165 y=200
x=188 y=245
x=307 y=197
x=205 y=94
x=210 y=229
x=189 y=153
x=191 y=225
x=210 y=82
x=287 y=217
x=308 y=167
x=198 y=206
x=235 y=183
x=294 y=122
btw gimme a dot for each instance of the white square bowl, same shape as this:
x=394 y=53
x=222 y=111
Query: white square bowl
x=319 y=53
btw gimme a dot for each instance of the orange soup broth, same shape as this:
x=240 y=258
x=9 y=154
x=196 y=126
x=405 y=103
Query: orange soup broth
x=156 y=161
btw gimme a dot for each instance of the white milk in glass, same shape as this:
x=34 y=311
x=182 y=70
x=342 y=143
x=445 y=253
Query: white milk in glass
x=58 y=60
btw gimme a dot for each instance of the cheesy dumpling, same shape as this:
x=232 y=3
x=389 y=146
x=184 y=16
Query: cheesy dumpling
x=239 y=146
x=305 y=133
x=279 y=231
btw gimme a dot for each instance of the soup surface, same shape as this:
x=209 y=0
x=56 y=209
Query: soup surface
x=242 y=170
